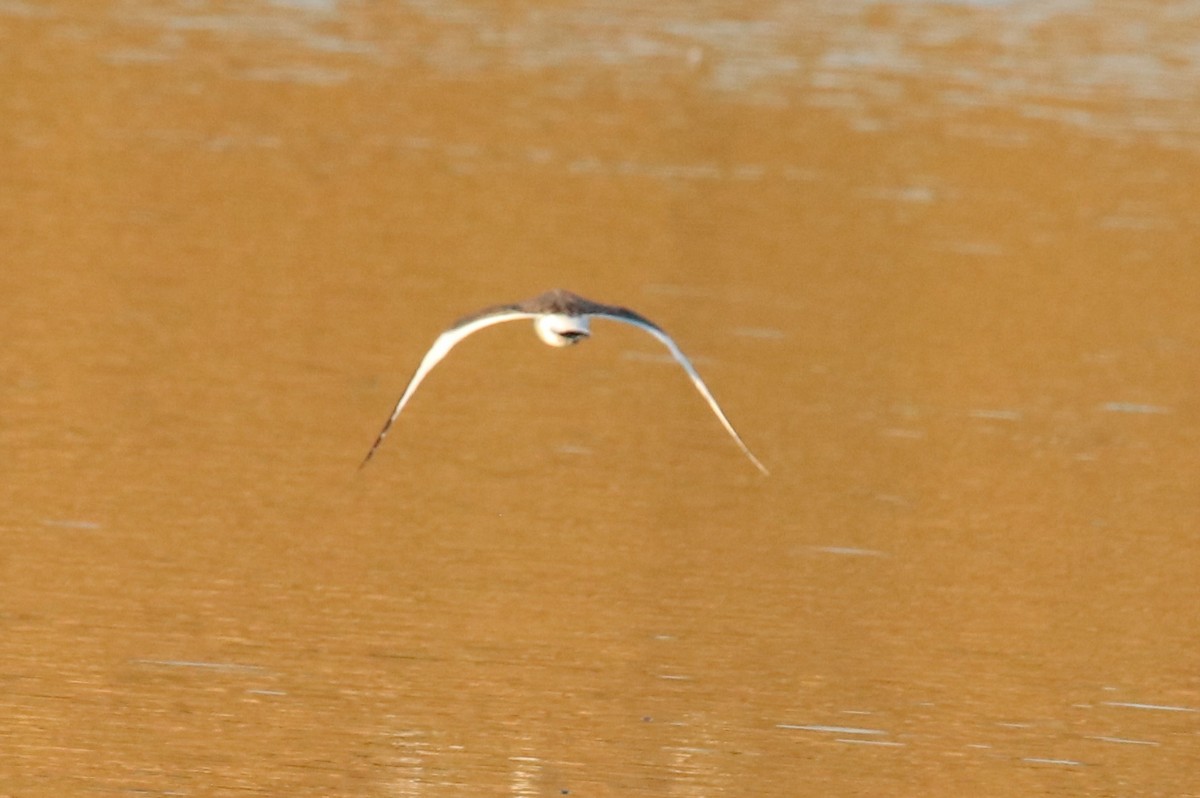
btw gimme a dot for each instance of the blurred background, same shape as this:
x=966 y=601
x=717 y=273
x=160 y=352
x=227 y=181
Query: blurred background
x=937 y=260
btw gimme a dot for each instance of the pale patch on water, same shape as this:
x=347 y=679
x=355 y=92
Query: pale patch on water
x=1135 y=223
x=324 y=6
x=916 y=194
x=312 y=75
x=849 y=551
x=657 y=171
x=132 y=56
x=996 y=415
x=760 y=333
x=903 y=433
x=16 y=8
x=1134 y=407
x=66 y=523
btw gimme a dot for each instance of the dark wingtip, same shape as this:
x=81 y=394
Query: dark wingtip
x=371 y=451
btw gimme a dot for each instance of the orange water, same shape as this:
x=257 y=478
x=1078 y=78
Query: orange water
x=937 y=262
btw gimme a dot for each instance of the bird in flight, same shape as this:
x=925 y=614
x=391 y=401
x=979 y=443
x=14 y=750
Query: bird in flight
x=560 y=318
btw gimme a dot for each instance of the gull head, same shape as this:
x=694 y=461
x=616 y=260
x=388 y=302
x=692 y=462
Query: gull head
x=559 y=329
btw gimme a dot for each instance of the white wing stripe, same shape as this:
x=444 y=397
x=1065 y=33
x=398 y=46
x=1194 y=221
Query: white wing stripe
x=441 y=347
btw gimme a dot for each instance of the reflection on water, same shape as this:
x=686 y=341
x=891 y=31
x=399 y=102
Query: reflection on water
x=1124 y=73
x=696 y=762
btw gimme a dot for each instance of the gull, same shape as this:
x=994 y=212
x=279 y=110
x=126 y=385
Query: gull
x=560 y=318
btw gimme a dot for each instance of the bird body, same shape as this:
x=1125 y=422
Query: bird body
x=560 y=319
x=559 y=329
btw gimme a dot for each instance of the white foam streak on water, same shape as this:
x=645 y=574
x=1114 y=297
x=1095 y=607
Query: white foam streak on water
x=1037 y=760
x=1153 y=707
x=1123 y=741
x=831 y=729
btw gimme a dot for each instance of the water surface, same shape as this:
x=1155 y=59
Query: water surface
x=936 y=260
